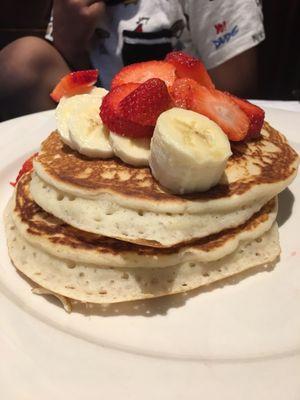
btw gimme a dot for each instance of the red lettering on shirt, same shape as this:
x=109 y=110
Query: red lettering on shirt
x=220 y=27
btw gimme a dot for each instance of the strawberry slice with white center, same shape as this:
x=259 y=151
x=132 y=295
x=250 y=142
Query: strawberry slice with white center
x=75 y=83
x=220 y=108
x=214 y=104
x=255 y=114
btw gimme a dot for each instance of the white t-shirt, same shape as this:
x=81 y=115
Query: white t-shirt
x=138 y=30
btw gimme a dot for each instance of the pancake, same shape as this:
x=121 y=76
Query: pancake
x=61 y=240
x=126 y=203
x=147 y=228
x=90 y=283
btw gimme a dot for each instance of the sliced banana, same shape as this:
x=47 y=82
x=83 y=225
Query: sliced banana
x=188 y=151
x=98 y=91
x=63 y=112
x=80 y=125
x=88 y=134
x=133 y=151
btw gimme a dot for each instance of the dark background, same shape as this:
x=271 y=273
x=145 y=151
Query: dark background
x=279 y=54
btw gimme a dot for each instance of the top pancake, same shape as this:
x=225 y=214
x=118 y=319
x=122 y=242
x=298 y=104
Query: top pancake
x=256 y=170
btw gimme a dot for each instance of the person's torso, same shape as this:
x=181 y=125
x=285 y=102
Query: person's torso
x=138 y=30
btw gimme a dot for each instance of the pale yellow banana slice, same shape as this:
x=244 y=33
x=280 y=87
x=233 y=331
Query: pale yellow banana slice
x=80 y=125
x=188 y=151
x=88 y=134
x=97 y=91
x=63 y=112
x=133 y=151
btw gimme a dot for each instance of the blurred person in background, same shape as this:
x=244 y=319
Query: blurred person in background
x=107 y=35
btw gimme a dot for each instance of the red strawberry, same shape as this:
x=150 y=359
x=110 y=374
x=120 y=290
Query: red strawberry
x=189 y=67
x=255 y=114
x=181 y=90
x=216 y=105
x=112 y=118
x=141 y=72
x=220 y=108
x=145 y=104
x=75 y=83
x=26 y=167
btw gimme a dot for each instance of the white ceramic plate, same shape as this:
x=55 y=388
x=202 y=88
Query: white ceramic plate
x=240 y=341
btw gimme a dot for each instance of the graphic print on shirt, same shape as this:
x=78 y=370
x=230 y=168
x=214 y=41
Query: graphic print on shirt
x=220 y=27
x=224 y=34
x=139 y=45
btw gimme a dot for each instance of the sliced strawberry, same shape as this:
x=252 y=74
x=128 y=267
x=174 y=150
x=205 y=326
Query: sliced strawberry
x=220 y=108
x=141 y=72
x=255 y=114
x=145 y=104
x=189 y=67
x=112 y=118
x=216 y=105
x=26 y=167
x=180 y=91
x=75 y=83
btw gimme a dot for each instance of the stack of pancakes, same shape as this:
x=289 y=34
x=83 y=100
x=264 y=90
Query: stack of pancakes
x=102 y=231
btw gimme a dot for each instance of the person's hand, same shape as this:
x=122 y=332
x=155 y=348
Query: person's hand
x=74 y=22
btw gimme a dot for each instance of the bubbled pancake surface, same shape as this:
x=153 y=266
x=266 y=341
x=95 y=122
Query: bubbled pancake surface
x=266 y=160
x=111 y=198
x=94 y=284
x=60 y=239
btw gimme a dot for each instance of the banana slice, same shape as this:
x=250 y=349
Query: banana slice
x=133 y=151
x=98 y=91
x=188 y=151
x=63 y=112
x=88 y=134
x=80 y=125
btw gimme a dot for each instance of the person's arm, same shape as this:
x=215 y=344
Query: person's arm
x=225 y=36
x=238 y=75
x=74 y=23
